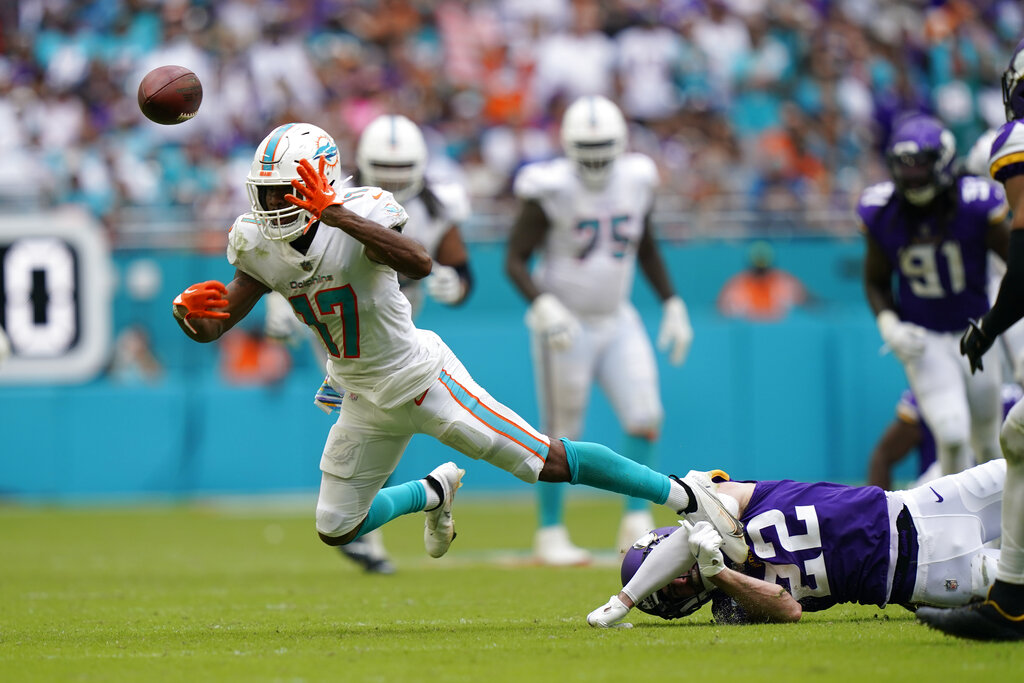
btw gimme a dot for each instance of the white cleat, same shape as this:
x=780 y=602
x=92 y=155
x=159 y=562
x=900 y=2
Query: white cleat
x=634 y=525
x=551 y=546
x=709 y=508
x=439 y=527
x=610 y=615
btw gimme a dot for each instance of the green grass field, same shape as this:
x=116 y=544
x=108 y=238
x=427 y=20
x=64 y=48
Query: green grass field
x=245 y=592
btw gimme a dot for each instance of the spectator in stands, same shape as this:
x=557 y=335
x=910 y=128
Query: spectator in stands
x=761 y=292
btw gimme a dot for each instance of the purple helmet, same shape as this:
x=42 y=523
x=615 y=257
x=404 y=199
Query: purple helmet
x=683 y=596
x=920 y=156
x=1013 y=85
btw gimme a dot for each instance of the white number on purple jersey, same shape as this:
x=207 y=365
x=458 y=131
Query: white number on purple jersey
x=813 y=571
x=919 y=264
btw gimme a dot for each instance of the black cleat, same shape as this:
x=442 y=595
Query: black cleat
x=370 y=558
x=978 y=621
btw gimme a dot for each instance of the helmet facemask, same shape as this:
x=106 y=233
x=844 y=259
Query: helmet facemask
x=392 y=155
x=593 y=136
x=920 y=160
x=1013 y=85
x=275 y=165
x=682 y=597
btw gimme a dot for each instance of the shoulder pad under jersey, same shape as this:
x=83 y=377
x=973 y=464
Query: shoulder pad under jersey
x=872 y=199
x=376 y=204
x=640 y=167
x=1007 y=159
x=455 y=200
x=983 y=196
x=542 y=178
x=242 y=236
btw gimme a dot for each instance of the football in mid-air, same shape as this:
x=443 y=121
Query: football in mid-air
x=170 y=95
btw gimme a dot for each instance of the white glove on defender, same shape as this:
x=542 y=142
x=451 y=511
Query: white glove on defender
x=905 y=340
x=705 y=544
x=547 y=316
x=609 y=614
x=675 y=333
x=445 y=285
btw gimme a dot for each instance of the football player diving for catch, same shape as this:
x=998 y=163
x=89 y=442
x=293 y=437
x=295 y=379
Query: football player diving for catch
x=336 y=255
x=812 y=546
x=588 y=216
x=1001 y=615
x=392 y=154
x=933 y=230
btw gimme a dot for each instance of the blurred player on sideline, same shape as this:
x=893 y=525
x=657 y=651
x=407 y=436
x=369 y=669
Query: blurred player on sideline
x=392 y=155
x=5 y=346
x=588 y=215
x=908 y=432
x=336 y=255
x=812 y=546
x=933 y=230
x=1001 y=615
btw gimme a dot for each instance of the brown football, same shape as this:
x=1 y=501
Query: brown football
x=170 y=95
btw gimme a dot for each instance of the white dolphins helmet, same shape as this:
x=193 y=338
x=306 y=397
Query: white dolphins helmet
x=392 y=155
x=594 y=136
x=276 y=162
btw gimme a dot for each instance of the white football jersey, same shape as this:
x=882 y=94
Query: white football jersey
x=428 y=230
x=589 y=257
x=353 y=305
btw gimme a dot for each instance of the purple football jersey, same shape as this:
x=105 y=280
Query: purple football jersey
x=825 y=543
x=940 y=257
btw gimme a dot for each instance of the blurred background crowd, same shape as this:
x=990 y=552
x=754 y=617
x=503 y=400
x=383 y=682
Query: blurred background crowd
x=764 y=116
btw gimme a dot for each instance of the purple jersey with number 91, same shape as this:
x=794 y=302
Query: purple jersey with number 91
x=825 y=543
x=939 y=257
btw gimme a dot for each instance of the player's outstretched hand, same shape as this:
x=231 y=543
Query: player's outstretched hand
x=676 y=333
x=550 y=318
x=445 y=285
x=609 y=615
x=199 y=301
x=974 y=344
x=315 y=190
x=705 y=544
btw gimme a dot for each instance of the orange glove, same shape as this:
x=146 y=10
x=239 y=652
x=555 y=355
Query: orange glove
x=317 y=193
x=198 y=300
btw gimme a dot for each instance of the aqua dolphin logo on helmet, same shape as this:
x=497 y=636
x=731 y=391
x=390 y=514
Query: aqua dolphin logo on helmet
x=275 y=165
x=326 y=149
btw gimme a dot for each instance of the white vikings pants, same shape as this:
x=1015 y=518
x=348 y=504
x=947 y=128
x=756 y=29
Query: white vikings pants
x=614 y=350
x=955 y=516
x=366 y=443
x=961 y=409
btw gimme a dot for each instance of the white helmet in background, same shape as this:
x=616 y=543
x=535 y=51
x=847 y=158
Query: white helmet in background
x=276 y=162
x=392 y=155
x=594 y=136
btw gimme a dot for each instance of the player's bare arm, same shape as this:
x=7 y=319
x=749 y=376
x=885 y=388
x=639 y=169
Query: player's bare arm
x=1015 y=196
x=761 y=600
x=383 y=246
x=651 y=262
x=452 y=251
x=997 y=239
x=315 y=194
x=877 y=277
x=454 y=280
x=897 y=441
x=528 y=232
x=206 y=323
